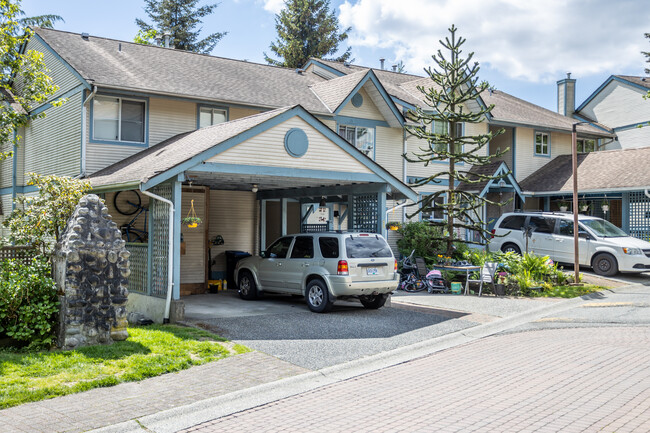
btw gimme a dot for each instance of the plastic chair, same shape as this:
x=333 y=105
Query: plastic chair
x=421 y=267
x=487 y=276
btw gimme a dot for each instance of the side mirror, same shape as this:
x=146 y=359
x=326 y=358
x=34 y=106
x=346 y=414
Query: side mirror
x=583 y=235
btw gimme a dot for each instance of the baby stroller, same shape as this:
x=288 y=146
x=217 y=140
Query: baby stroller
x=433 y=279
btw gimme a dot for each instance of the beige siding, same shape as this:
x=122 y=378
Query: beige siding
x=331 y=124
x=57 y=70
x=388 y=151
x=6 y=167
x=53 y=144
x=20 y=155
x=233 y=215
x=237 y=113
x=103 y=155
x=527 y=161
x=368 y=109
x=193 y=261
x=267 y=149
x=617 y=105
x=169 y=117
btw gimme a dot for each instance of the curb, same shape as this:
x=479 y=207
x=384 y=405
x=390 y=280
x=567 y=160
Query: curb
x=183 y=417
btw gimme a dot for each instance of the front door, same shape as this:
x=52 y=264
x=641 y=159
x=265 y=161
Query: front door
x=541 y=241
x=272 y=266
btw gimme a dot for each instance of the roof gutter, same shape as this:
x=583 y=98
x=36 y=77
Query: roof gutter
x=84 y=139
x=170 y=256
x=115 y=187
x=584 y=191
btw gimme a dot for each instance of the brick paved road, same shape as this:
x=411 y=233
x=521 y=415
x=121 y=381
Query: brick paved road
x=568 y=380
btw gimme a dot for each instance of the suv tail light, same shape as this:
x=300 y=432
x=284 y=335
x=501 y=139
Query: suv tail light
x=493 y=231
x=395 y=265
x=342 y=268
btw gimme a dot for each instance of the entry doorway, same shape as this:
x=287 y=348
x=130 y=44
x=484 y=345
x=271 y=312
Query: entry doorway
x=194 y=269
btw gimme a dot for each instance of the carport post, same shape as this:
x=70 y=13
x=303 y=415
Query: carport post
x=283 y=201
x=381 y=211
x=262 y=225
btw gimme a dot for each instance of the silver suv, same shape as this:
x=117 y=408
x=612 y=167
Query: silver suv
x=323 y=267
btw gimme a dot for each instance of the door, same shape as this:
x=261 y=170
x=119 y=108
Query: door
x=541 y=241
x=564 y=247
x=298 y=264
x=271 y=270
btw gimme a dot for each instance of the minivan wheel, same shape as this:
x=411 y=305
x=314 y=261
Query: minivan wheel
x=605 y=265
x=510 y=248
x=247 y=287
x=317 y=297
x=373 y=302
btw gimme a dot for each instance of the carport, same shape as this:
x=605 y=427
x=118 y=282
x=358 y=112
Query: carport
x=249 y=180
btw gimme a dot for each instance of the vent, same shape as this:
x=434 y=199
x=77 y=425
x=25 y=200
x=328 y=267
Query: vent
x=85 y=36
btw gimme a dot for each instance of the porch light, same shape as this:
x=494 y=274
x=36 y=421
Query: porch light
x=322 y=203
x=254 y=188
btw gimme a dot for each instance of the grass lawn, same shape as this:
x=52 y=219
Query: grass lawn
x=569 y=291
x=149 y=351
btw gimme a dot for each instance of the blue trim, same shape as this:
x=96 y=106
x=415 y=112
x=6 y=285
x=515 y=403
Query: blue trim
x=381 y=210
x=216 y=107
x=514 y=152
x=631 y=126
x=213 y=167
x=297 y=111
x=421 y=196
x=14 y=173
x=481 y=104
x=503 y=169
x=404 y=104
x=177 y=195
x=584 y=119
x=92 y=139
x=327 y=68
x=67 y=94
x=374 y=136
x=543 y=155
x=262 y=224
x=64 y=62
x=18 y=190
x=372 y=77
x=439 y=182
x=356 y=121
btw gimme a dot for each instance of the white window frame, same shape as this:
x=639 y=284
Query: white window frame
x=445 y=129
x=371 y=151
x=548 y=144
x=581 y=143
x=119 y=120
x=433 y=211
x=212 y=110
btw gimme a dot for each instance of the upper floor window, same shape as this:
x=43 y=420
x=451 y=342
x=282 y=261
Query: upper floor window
x=437 y=210
x=542 y=144
x=118 y=119
x=442 y=128
x=362 y=138
x=211 y=116
x=586 y=145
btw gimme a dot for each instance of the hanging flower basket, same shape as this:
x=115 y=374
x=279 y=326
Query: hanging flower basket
x=563 y=205
x=584 y=206
x=393 y=226
x=191 y=220
x=605 y=205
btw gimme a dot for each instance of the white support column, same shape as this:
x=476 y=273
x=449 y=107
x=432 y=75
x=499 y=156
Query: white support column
x=262 y=225
x=381 y=210
x=284 y=202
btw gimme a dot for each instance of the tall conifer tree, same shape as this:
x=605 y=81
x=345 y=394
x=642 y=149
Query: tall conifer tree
x=307 y=28
x=180 y=18
x=454 y=84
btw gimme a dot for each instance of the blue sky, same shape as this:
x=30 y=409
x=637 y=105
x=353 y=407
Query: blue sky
x=523 y=47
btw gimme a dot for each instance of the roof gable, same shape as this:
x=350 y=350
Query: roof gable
x=639 y=83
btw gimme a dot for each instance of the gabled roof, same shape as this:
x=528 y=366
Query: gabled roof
x=511 y=110
x=641 y=83
x=491 y=169
x=625 y=169
x=151 y=69
x=333 y=92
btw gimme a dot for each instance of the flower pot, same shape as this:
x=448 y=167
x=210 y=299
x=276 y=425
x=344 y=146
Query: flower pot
x=500 y=289
x=584 y=208
x=192 y=225
x=564 y=208
x=605 y=208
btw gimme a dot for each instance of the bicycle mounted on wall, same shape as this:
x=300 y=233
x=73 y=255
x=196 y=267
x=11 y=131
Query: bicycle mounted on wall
x=129 y=203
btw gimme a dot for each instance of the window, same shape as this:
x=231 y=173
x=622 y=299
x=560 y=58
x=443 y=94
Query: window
x=438 y=211
x=542 y=144
x=303 y=248
x=118 y=119
x=441 y=128
x=514 y=222
x=363 y=247
x=586 y=145
x=362 y=138
x=542 y=225
x=211 y=116
x=329 y=248
x=566 y=228
x=279 y=249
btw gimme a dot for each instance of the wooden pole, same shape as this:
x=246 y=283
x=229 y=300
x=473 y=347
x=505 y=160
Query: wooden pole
x=576 y=237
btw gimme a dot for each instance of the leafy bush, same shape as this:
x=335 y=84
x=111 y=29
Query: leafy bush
x=28 y=302
x=420 y=236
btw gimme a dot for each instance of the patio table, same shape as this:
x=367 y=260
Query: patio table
x=466 y=269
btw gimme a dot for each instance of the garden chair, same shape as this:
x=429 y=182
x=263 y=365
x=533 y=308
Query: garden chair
x=421 y=267
x=487 y=276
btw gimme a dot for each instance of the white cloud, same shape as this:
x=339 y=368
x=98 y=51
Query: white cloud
x=531 y=40
x=274 y=6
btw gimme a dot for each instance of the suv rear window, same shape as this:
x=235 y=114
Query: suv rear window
x=362 y=247
x=329 y=248
x=513 y=222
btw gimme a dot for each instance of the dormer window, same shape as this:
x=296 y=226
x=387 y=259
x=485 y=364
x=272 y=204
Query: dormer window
x=362 y=138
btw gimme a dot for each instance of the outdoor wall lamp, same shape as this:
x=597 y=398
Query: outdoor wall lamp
x=254 y=188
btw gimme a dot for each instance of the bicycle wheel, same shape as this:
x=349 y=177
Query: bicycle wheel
x=127 y=202
x=414 y=286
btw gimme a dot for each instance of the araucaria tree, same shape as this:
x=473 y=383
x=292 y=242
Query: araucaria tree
x=179 y=18
x=307 y=28
x=454 y=85
x=23 y=68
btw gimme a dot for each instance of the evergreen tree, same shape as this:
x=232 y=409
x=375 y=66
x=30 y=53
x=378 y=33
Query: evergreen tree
x=179 y=18
x=306 y=28
x=26 y=68
x=455 y=84
x=647 y=55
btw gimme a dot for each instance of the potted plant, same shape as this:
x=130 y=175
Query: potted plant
x=563 y=205
x=584 y=206
x=500 y=286
x=393 y=225
x=605 y=205
x=191 y=221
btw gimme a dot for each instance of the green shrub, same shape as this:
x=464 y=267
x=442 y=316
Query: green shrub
x=28 y=302
x=419 y=236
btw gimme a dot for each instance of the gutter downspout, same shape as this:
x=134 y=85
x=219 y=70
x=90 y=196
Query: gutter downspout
x=170 y=261
x=394 y=208
x=83 y=132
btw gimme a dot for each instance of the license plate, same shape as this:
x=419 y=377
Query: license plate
x=371 y=271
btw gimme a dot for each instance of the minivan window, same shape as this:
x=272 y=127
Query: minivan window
x=329 y=247
x=279 y=249
x=566 y=228
x=362 y=247
x=514 y=222
x=542 y=224
x=303 y=248
x=604 y=229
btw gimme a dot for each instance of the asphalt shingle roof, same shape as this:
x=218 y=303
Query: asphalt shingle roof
x=641 y=81
x=488 y=169
x=168 y=154
x=333 y=92
x=611 y=169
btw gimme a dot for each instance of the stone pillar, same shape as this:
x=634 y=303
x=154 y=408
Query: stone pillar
x=91 y=271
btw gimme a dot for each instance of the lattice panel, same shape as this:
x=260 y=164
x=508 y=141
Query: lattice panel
x=365 y=213
x=160 y=241
x=138 y=265
x=639 y=215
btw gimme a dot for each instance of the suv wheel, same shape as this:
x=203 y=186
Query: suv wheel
x=605 y=264
x=510 y=248
x=373 y=302
x=317 y=297
x=247 y=286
